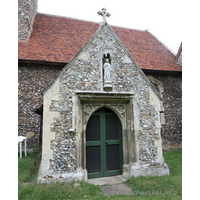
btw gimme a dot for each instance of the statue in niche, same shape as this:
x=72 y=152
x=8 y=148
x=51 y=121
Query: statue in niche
x=107 y=71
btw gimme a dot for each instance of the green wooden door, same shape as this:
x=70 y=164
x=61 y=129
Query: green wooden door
x=103 y=144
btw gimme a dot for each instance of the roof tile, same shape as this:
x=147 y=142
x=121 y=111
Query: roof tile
x=59 y=39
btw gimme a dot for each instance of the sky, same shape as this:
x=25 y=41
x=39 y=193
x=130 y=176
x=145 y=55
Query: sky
x=163 y=18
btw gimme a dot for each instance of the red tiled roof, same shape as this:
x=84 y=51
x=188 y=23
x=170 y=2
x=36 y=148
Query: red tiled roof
x=59 y=39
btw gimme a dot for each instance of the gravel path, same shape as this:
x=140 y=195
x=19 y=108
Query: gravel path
x=120 y=189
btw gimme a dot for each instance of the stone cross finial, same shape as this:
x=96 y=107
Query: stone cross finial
x=104 y=14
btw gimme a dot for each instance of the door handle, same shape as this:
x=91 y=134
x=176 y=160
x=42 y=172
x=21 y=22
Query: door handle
x=106 y=143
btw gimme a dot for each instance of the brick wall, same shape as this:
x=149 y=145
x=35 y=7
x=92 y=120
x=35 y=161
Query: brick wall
x=32 y=79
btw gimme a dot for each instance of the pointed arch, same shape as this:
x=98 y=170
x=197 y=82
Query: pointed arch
x=109 y=106
x=85 y=104
x=104 y=143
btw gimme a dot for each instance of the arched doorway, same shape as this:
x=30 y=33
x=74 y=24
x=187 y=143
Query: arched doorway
x=104 y=144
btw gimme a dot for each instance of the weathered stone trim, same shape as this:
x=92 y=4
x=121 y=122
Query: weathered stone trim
x=48 y=118
x=160 y=91
x=158 y=83
x=159 y=169
x=156 y=103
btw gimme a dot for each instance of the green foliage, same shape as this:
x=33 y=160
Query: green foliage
x=169 y=185
x=28 y=166
x=165 y=187
x=59 y=191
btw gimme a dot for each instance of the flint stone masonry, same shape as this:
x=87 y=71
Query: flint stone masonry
x=171 y=130
x=26 y=14
x=84 y=74
x=32 y=79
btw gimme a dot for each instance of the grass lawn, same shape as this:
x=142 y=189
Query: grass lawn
x=165 y=187
x=28 y=166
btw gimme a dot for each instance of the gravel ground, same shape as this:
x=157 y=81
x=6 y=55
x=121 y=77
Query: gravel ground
x=120 y=189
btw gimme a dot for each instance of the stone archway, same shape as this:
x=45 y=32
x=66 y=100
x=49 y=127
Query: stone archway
x=85 y=104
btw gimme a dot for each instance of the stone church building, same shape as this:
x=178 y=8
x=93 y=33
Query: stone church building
x=102 y=100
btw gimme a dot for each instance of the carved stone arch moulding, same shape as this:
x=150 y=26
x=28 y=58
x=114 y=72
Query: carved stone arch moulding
x=89 y=109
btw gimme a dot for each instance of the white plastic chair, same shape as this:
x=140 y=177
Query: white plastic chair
x=20 y=140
